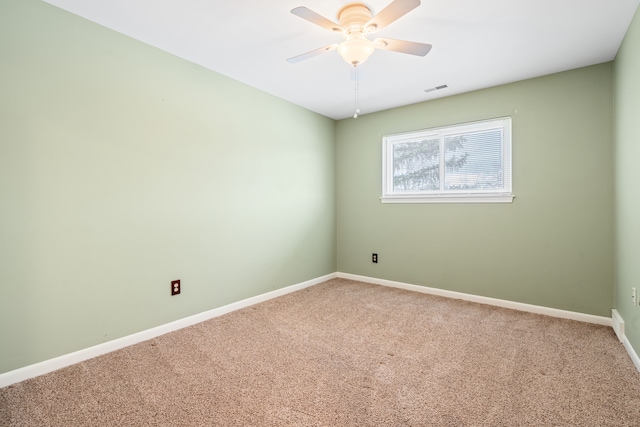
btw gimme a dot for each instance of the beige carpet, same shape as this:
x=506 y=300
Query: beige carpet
x=346 y=353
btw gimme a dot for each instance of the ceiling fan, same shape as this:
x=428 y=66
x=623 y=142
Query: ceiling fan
x=355 y=23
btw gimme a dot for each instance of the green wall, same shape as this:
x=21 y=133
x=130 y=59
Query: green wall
x=627 y=131
x=553 y=246
x=123 y=167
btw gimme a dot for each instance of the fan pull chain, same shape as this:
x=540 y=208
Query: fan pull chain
x=355 y=90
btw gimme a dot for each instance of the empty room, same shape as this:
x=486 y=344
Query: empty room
x=319 y=213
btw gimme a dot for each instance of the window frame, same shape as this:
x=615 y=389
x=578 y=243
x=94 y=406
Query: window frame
x=503 y=195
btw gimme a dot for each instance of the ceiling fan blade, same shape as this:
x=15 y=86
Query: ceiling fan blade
x=412 y=48
x=314 y=18
x=395 y=10
x=312 y=53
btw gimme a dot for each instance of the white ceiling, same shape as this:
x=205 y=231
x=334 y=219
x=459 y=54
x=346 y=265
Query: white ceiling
x=476 y=44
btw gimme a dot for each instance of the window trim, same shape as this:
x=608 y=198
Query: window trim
x=503 y=195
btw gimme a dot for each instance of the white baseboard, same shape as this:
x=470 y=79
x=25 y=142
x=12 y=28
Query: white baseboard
x=54 y=364
x=618 y=326
x=554 y=312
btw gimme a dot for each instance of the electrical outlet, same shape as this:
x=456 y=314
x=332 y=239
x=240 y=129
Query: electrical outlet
x=374 y=258
x=175 y=287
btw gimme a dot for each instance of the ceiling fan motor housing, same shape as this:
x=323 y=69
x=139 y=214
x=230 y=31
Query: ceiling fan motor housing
x=353 y=16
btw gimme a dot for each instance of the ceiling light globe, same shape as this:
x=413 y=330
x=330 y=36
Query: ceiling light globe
x=356 y=50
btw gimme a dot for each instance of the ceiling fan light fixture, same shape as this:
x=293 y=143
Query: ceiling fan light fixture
x=356 y=50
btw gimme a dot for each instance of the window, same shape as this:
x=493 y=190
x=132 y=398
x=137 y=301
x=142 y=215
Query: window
x=468 y=163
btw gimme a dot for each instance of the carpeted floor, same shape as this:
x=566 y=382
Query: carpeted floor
x=345 y=353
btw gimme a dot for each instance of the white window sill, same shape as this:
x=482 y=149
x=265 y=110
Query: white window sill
x=449 y=198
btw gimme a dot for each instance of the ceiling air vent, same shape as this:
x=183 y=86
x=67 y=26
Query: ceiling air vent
x=436 y=88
